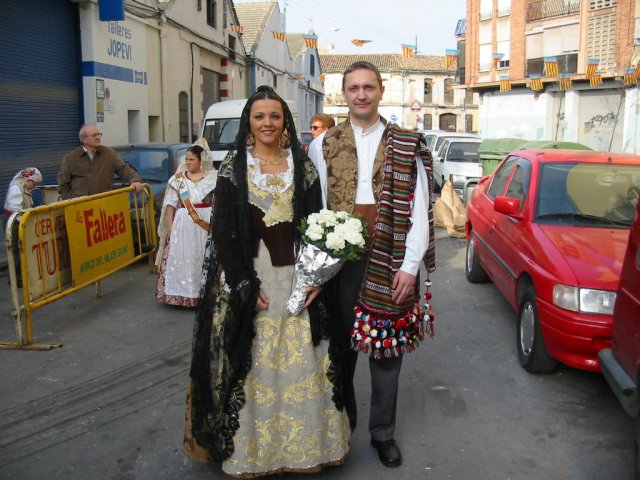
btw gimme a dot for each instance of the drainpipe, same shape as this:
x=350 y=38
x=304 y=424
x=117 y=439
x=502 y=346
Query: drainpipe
x=163 y=74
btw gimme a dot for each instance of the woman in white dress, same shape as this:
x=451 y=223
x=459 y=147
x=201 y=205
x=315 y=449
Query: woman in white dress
x=264 y=391
x=183 y=229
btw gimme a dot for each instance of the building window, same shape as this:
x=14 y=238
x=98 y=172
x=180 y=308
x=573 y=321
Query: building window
x=183 y=116
x=448 y=91
x=468 y=123
x=312 y=65
x=275 y=80
x=211 y=13
x=210 y=88
x=468 y=97
x=224 y=14
x=199 y=5
x=427 y=121
x=428 y=91
x=232 y=47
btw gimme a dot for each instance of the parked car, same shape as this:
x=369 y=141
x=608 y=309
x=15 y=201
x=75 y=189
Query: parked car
x=458 y=161
x=550 y=228
x=155 y=163
x=436 y=137
x=620 y=364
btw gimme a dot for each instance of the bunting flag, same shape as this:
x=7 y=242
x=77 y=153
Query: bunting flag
x=278 y=35
x=322 y=77
x=505 y=83
x=296 y=76
x=565 y=81
x=550 y=67
x=592 y=66
x=359 y=42
x=451 y=56
x=408 y=51
x=311 y=41
x=630 y=76
x=496 y=57
x=595 y=79
x=236 y=28
x=535 y=83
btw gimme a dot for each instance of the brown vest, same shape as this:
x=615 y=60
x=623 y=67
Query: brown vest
x=341 y=157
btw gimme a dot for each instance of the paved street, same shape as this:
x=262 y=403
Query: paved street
x=109 y=403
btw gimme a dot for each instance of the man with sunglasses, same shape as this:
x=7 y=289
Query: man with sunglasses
x=89 y=169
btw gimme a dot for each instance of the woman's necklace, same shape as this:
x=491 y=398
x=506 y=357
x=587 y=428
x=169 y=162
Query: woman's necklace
x=276 y=161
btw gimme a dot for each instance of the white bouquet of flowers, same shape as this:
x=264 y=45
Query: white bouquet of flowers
x=330 y=238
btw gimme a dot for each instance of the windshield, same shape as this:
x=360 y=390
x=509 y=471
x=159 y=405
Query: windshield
x=463 y=152
x=588 y=194
x=221 y=132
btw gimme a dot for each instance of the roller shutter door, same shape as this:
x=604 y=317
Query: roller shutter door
x=40 y=89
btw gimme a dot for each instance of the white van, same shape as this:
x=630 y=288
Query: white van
x=221 y=124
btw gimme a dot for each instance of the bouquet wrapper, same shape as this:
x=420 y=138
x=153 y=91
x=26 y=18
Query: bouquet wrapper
x=313 y=268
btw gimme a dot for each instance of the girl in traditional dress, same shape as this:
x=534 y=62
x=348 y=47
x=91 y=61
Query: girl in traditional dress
x=19 y=200
x=264 y=393
x=183 y=229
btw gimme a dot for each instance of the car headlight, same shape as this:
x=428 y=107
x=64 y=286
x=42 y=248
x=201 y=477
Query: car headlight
x=584 y=300
x=458 y=178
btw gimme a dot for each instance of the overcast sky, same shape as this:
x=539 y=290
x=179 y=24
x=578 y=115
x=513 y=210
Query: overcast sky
x=387 y=23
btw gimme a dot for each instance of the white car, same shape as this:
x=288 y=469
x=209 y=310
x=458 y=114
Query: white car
x=436 y=137
x=457 y=160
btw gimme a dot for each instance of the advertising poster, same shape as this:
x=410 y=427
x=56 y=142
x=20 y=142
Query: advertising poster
x=100 y=236
x=47 y=253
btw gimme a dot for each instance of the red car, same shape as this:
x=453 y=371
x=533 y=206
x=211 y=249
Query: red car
x=620 y=364
x=550 y=229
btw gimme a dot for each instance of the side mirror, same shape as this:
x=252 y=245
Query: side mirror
x=507 y=205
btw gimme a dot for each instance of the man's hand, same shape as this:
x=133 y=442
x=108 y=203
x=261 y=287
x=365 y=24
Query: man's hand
x=138 y=185
x=403 y=284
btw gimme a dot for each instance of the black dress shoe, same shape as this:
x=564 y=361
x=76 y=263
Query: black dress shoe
x=388 y=452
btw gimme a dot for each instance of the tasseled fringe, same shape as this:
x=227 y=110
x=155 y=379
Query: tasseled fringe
x=387 y=336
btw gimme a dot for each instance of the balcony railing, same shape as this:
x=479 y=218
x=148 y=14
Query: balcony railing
x=539 y=9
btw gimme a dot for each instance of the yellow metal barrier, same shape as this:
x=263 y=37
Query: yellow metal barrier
x=68 y=245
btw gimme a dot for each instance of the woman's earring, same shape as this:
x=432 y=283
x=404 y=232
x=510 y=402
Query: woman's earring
x=285 y=141
x=251 y=140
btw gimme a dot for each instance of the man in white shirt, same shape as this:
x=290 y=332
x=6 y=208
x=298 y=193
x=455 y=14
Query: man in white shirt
x=380 y=171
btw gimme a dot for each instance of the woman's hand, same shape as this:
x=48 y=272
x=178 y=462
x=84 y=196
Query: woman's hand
x=263 y=301
x=312 y=294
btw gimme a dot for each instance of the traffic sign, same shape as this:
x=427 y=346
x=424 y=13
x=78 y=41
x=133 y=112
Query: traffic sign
x=416 y=107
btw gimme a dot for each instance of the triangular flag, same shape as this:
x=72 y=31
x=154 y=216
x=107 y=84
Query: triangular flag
x=278 y=35
x=595 y=79
x=630 y=76
x=311 y=41
x=359 y=42
x=550 y=67
x=592 y=66
x=535 y=83
x=451 y=56
x=322 y=77
x=565 y=81
x=236 y=28
x=408 y=51
x=296 y=76
x=495 y=58
x=505 y=83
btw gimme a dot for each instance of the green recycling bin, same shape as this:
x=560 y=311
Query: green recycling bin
x=493 y=150
x=556 y=145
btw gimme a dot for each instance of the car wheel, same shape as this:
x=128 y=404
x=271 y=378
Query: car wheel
x=532 y=352
x=475 y=273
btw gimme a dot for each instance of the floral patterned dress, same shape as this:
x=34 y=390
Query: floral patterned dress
x=289 y=422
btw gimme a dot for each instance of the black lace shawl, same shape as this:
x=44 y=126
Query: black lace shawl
x=221 y=357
